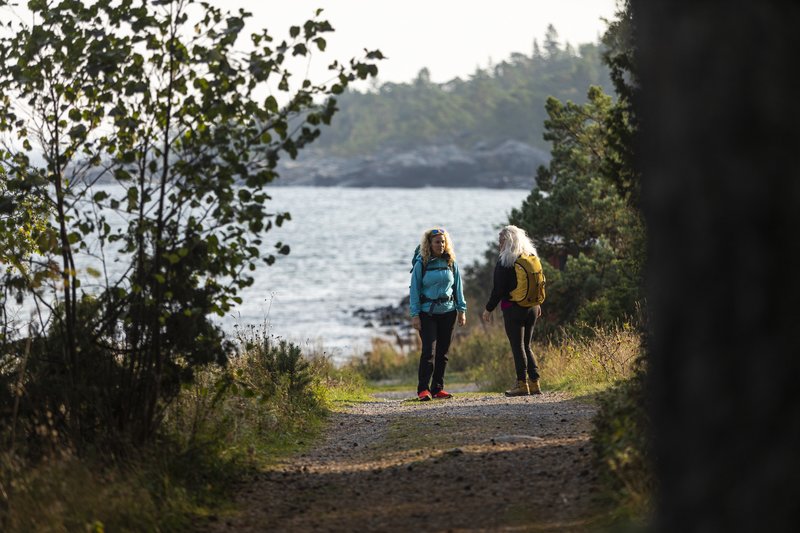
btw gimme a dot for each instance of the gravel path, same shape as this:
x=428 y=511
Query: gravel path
x=476 y=462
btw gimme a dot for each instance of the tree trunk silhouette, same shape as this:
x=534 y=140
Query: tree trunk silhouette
x=719 y=146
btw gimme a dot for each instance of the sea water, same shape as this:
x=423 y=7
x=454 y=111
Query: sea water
x=351 y=249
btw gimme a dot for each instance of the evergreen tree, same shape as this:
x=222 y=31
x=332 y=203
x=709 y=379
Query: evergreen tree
x=584 y=214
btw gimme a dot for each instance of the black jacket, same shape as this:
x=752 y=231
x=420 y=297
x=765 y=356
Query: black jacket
x=505 y=281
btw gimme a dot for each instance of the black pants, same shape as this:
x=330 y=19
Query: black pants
x=519 y=322
x=438 y=330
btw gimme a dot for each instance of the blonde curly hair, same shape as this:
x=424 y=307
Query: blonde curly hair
x=425 y=246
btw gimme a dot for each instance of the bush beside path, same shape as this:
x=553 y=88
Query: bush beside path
x=476 y=462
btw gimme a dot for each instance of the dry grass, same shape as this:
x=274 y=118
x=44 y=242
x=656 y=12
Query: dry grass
x=578 y=364
x=590 y=363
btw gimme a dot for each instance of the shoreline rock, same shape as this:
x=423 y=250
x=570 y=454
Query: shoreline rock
x=388 y=317
x=508 y=165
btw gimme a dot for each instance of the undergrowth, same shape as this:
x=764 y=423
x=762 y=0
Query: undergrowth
x=269 y=401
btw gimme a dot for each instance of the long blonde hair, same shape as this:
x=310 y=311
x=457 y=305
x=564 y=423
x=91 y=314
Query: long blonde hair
x=515 y=243
x=425 y=246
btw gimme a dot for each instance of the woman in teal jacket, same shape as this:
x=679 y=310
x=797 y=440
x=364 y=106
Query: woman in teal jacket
x=437 y=303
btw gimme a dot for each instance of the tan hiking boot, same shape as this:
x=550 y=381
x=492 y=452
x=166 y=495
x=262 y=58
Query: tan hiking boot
x=520 y=389
x=533 y=386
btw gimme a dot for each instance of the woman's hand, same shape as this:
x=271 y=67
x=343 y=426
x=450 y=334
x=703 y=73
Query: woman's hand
x=415 y=323
x=537 y=311
x=486 y=316
x=462 y=318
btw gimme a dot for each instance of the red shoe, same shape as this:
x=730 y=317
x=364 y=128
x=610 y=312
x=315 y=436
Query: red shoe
x=424 y=396
x=442 y=394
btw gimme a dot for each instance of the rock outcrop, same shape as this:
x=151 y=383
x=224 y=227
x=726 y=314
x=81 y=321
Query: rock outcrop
x=511 y=164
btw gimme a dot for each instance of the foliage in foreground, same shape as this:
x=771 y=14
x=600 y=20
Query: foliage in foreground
x=621 y=439
x=269 y=401
x=173 y=104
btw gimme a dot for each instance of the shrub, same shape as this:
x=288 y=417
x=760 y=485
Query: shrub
x=266 y=393
x=621 y=447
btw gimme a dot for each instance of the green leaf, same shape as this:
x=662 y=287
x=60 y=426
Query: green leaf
x=133 y=198
x=77 y=132
x=121 y=174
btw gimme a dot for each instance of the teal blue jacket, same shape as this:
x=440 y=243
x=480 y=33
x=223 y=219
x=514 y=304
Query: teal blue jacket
x=440 y=291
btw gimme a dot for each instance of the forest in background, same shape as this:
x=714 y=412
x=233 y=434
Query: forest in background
x=500 y=102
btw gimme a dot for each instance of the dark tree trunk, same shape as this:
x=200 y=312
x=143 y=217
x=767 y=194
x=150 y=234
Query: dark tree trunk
x=720 y=109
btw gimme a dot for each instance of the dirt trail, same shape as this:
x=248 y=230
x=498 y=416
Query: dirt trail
x=476 y=462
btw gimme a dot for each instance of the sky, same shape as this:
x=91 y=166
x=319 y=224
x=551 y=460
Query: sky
x=450 y=37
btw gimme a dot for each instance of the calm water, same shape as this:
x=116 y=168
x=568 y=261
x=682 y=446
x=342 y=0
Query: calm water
x=351 y=248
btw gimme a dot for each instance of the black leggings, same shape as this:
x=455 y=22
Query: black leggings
x=519 y=322
x=436 y=329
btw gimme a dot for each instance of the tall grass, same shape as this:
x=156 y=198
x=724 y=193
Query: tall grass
x=384 y=361
x=268 y=401
x=578 y=363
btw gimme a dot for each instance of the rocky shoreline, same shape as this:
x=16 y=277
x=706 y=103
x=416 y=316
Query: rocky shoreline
x=391 y=323
x=510 y=165
x=389 y=316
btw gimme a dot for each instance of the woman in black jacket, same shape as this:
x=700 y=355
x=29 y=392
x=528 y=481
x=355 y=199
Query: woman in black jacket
x=518 y=320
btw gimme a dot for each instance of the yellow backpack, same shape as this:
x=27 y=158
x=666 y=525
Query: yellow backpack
x=530 y=281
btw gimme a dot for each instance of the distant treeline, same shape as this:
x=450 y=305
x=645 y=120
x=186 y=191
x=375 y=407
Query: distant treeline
x=504 y=101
